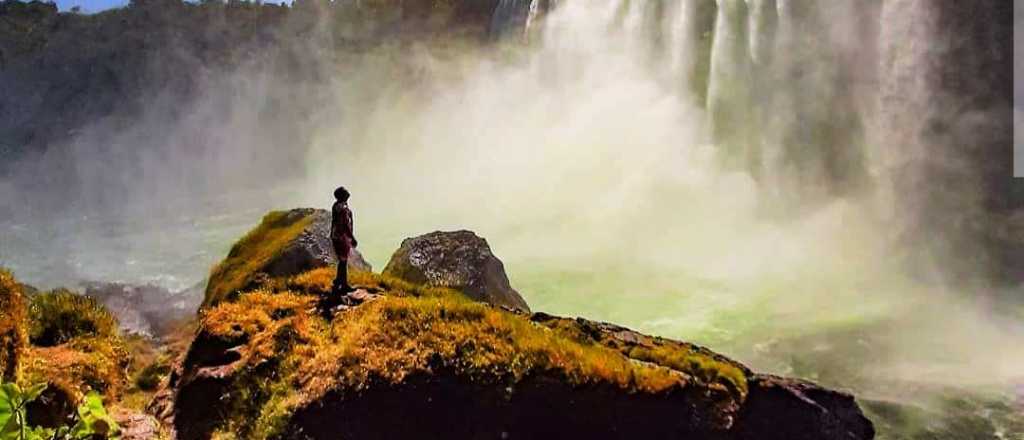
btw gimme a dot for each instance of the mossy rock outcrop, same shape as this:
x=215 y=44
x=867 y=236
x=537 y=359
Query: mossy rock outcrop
x=420 y=361
x=423 y=362
x=459 y=260
x=284 y=243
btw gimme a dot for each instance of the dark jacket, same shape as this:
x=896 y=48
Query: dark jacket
x=341 y=230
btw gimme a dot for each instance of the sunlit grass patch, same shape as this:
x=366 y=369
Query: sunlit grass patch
x=75 y=345
x=276 y=330
x=319 y=281
x=289 y=356
x=81 y=365
x=702 y=366
x=395 y=337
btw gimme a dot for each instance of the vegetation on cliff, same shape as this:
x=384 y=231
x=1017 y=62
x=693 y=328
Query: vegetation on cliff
x=60 y=316
x=62 y=339
x=75 y=346
x=58 y=351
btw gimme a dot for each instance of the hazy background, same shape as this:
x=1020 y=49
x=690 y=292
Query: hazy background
x=1018 y=92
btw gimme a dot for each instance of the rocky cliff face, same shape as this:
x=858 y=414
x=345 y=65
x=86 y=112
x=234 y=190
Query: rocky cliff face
x=424 y=361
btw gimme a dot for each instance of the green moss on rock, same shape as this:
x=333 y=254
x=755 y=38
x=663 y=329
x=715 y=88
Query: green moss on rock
x=284 y=358
x=253 y=252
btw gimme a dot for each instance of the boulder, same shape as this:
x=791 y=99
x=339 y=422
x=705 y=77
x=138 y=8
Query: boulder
x=460 y=260
x=285 y=243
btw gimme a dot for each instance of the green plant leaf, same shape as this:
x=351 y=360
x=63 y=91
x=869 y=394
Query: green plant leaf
x=13 y=393
x=9 y=408
x=94 y=403
x=93 y=419
x=33 y=392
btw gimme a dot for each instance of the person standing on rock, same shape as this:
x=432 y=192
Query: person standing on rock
x=342 y=238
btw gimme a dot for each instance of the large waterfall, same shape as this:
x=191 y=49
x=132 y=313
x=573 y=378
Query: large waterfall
x=514 y=16
x=815 y=99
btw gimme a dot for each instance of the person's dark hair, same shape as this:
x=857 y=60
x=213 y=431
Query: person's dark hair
x=341 y=194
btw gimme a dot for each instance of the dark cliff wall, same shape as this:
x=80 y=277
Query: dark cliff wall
x=164 y=95
x=948 y=129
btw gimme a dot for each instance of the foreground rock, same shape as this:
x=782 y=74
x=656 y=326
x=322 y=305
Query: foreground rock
x=808 y=410
x=284 y=243
x=459 y=260
x=423 y=364
x=421 y=361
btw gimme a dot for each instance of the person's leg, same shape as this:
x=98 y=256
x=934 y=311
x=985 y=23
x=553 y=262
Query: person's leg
x=341 y=286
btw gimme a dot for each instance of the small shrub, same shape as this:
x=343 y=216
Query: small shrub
x=59 y=316
x=13 y=320
x=80 y=366
x=148 y=379
x=76 y=345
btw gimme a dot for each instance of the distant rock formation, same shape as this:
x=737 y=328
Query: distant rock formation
x=460 y=260
x=146 y=310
